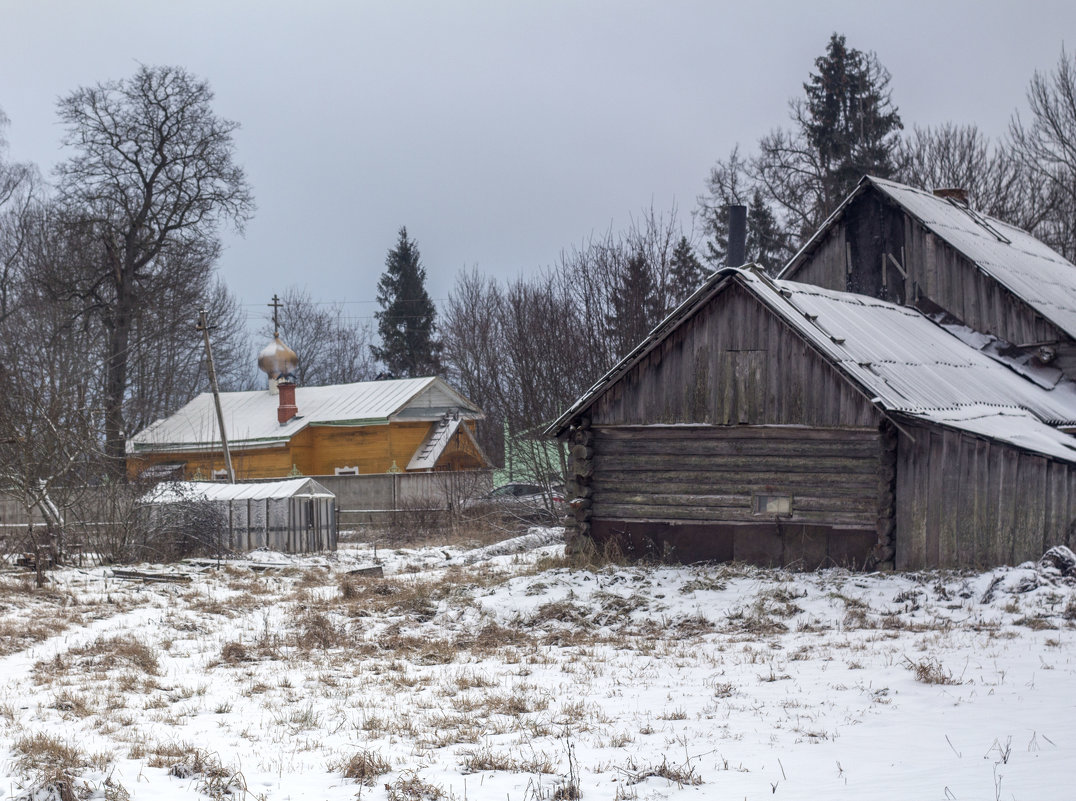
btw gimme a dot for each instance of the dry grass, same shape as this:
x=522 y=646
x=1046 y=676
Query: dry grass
x=315 y=631
x=363 y=767
x=929 y=670
x=681 y=775
x=186 y=761
x=412 y=788
x=105 y=654
x=52 y=766
x=486 y=759
x=38 y=625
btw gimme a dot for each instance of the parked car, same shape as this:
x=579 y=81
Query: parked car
x=527 y=501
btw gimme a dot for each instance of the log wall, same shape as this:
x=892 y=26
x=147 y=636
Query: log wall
x=712 y=473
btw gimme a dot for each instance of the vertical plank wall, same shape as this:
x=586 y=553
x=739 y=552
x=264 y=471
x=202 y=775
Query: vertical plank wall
x=970 y=502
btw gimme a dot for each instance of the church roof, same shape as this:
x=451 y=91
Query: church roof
x=250 y=418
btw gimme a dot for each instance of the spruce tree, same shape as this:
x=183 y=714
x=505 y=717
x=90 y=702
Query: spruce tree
x=850 y=123
x=636 y=307
x=844 y=127
x=686 y=272
x=409 y=347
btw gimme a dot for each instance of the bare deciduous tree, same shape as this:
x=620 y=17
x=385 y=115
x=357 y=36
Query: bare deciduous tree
x=1046 y=145
x=525 y=349
x=961 y=156
x=151 y=181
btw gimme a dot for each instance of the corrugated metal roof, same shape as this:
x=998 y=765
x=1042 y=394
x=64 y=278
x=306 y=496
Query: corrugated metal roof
x=903 y=362
x=434 y=445
x=911 y=365
x=173 y=491
x=1028 y=268
x=250 y=418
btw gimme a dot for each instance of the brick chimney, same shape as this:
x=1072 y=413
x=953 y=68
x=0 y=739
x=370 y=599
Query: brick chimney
x=287 y=408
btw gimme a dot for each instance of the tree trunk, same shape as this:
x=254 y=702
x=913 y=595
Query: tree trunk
x=119 y=335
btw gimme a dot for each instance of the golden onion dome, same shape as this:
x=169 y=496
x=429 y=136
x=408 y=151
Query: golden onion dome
x=277 y=360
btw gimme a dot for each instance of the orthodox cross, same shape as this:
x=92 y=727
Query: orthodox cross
x=276 y=304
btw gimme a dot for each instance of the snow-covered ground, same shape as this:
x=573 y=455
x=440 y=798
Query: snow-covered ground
x=514 y=675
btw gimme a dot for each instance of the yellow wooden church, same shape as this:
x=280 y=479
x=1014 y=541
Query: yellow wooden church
x=404 y=425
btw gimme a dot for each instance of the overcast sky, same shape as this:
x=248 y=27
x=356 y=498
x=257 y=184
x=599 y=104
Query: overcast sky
x=498 y=132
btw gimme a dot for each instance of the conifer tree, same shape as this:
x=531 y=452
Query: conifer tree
x=409 y=346
x=686 y=272
x=845 y=126
x=636 y=307
x=850 y=122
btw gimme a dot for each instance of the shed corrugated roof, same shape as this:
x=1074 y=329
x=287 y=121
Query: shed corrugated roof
x=1041 y=277
x=250 y=418
x=172 y=491
x=902 y=361
x=911 y=365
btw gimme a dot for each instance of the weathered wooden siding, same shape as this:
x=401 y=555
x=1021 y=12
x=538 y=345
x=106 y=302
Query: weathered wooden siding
x=734 y=363
x=954 y=283
x=828 y=265
x=969 y=502
x=711 y=473
x=316 y=450
x=858 y=255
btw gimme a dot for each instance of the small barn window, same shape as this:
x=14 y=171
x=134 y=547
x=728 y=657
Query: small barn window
x=220 y=475
x=347 y=471
x=772 y=505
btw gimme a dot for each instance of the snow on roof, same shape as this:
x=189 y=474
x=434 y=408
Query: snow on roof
x=910 y=365
x=250 y=418
x=1039 y=276
x=173 y=491
x=902 y=361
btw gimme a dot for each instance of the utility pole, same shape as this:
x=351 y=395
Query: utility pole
x=203 y=326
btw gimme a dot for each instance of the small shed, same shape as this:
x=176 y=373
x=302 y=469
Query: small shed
x=294 y=516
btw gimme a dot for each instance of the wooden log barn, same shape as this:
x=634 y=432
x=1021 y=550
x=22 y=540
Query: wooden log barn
x=777 y=422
